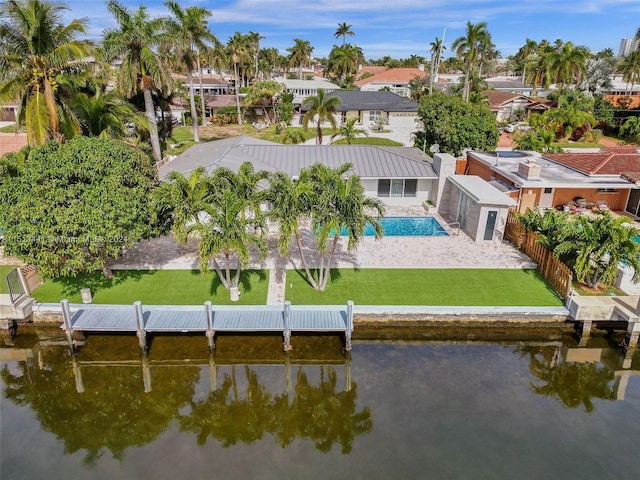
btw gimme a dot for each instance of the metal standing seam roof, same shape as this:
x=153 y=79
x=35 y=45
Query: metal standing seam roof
x=368 y=161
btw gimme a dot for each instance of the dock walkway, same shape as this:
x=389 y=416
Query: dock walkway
x=208 y=319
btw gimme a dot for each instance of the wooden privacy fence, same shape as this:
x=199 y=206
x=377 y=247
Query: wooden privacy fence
x=551 y=268
x=31 y=277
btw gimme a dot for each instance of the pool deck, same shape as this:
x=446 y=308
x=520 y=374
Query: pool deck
x=454 y=251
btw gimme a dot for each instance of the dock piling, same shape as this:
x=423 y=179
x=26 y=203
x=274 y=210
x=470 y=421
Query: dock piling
x=347 y=333
x=142 y=334
x=210 y=332
x=286 y=316
x=66 y=317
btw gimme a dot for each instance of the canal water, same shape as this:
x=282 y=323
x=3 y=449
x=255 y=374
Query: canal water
x=392 y=409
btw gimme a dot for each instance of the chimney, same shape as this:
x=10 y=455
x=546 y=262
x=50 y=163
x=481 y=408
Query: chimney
x=529 y=169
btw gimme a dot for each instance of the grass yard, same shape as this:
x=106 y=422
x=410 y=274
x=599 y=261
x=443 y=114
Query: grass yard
x=156 y=287
x=4 y=271
x=472 y=287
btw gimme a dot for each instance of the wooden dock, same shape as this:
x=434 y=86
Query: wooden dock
x=207 y=319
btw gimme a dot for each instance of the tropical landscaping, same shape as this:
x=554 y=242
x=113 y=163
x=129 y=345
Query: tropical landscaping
x=85 y=188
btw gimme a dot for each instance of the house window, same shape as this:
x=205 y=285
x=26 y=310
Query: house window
x=548 y=190
x=606 y=190
x=397 y=187
x=374 y=115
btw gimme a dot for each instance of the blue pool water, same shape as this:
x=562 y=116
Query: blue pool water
x=407 y=227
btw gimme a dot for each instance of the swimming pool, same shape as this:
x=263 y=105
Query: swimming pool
x=407 y=227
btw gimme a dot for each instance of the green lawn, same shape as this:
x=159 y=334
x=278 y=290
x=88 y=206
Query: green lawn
x=4 y=271
x=156 y=287
x=473 y=287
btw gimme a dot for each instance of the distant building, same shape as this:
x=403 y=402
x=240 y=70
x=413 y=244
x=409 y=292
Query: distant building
x=627 y=45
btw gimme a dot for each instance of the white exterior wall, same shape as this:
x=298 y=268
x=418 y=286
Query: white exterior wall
x=423 y=192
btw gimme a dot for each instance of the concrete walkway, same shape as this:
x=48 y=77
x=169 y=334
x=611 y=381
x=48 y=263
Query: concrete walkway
x=454 y=251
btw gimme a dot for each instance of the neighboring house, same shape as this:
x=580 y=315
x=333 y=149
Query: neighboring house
x=505 y=83
x=554 y=180
x=395 y=113
x=508 y=106
x=8 y=114
x=396 y=80
x=211 y=84
x=395 y=175
x=302 y=89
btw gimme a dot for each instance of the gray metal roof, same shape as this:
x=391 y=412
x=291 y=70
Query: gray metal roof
x=368 y=161
x=481 y=191
x=383 y=101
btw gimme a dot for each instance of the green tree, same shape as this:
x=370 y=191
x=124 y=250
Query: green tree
x=631 y=128
x=36 y=48
x=342 y=31
x=320 y=108
x=598 y=245
x=437 y=46
x=293 y=135
x=536 y=140
x=569 y=64
x=76 y=205
x=472 y=47
x=343 y=62
x=299 y=54
x=349 y=132
x=105 y=115
x=339 y=204
x=188 y=33
x=263 y=94
x=525 y=55
x=629 y=67
x=142 y=71
x=238 y=52
x=456 y=125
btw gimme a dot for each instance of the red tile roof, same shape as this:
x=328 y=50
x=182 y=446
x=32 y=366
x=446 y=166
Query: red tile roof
x=611 y=161
x=393 y=75
x=374 y=70
x=12 y=142
x=498 y=98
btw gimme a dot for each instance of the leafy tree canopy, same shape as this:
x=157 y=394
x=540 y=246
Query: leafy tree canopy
x=74 y=206
x=456 y=125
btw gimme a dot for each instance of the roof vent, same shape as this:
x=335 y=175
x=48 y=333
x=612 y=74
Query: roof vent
x=529 y=169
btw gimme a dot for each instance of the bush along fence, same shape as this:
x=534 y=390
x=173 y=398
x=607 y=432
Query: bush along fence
x=551 y=268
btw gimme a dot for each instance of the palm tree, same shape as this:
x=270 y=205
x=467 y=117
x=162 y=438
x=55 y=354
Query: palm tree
x=470 y=47
x=178 y=202
x=598 y=75
x=569 y=64
x=105 y=114
x=35 y=49
x=188 y=32
x=343 y=61
x=349 y=132
x=629 y=67
x=142 y=70
x=238 y=51
x=299 y=54
x=342 y=31
x=597 y=246
x=232 y=222
x=339 y=204
x=631 y=128
x=263 y=94
x=320 y=109
x=524 y=54
x=253 y=38
x=436 y=56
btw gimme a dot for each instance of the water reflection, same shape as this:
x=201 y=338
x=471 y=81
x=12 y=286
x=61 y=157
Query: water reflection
x=577 y=376
x=108 y=399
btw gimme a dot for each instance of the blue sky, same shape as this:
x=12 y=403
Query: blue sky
x=400 y=28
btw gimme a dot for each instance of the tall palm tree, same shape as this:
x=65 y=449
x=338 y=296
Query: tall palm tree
x=238 y=52
x=436 y=56
x=629 y=67
x=470 y=48
x=253 y=39
x=188 y=33
x=569 y=64
x=342 y=31
x=321 y=108
x=36 y=47
x=524 y=55
x=299 y=54
x=134 y=42
x=339 y=203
